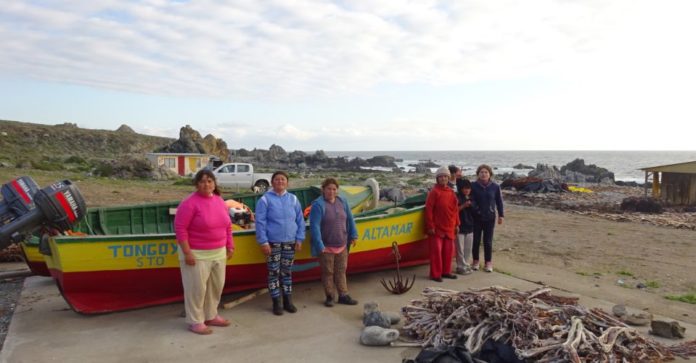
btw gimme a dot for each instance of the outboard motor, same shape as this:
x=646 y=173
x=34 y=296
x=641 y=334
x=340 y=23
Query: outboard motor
x=25 y=208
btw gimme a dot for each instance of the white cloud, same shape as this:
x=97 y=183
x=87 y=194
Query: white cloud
x=272 y=49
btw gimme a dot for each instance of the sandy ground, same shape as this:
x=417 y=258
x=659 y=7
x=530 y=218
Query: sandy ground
x=610 y=257
x=588 y=255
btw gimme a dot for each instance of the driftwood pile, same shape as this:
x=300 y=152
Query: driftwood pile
x=541 y=327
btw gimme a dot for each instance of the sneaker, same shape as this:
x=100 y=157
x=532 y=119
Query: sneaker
x=347 y=300
x=450 y=276
x=475 y=265
x=489 y=267
x=218 y=321
x=200 y=328
x=464 y=270
x=328 y=302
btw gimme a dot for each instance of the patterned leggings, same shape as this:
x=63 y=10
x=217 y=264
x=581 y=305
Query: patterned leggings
x=279 y=264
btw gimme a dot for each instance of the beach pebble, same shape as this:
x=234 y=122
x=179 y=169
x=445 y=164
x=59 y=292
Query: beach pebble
x=619 y=310
x=665 y=329
x=637 y=319
x=376 y=336
x=394 y=318
x=373 y=317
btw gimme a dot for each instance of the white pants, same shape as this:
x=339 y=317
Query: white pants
x=203 y=284
x=463 y=247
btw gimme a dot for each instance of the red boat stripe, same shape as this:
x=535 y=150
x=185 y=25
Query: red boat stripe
x=21 y=192
x=66 y=206
x=94 y=292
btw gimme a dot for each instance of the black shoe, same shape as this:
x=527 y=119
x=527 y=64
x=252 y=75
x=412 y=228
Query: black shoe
x=277 y=308
x=449 y=276
x=328 y=302
x=347 y=300
x=438 y=279
x=287 y=304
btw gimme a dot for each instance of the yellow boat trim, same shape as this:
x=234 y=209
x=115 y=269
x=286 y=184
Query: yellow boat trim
x=94 y=253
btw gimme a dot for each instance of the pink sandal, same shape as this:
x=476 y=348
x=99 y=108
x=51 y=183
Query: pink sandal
x=200 y=328
x=218 y=321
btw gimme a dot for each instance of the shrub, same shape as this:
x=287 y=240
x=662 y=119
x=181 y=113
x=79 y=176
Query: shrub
x=75 y=160
x=47 y=165
x=104 y=169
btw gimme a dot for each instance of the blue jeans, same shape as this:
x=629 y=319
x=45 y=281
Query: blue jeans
x=484 y=228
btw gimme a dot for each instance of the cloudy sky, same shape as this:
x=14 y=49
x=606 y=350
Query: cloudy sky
x=362 y=74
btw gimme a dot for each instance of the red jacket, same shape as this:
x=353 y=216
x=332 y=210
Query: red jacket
x=441 y=211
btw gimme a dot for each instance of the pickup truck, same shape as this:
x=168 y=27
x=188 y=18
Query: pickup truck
x=241 y=176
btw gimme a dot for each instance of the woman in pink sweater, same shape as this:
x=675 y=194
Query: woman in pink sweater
x=204 y=233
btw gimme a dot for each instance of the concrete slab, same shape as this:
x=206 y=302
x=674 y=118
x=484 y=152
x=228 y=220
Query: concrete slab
x=44 y=329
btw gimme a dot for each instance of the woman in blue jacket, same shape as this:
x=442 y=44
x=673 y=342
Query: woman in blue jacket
x=486 y=198
x=333 y=232
x=280 y=230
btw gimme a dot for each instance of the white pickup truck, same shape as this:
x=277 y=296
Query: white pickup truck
x=241 y=176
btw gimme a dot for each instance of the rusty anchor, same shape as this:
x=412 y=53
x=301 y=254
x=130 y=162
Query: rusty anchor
x=399 y=285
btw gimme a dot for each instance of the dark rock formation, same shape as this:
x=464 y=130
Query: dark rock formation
x=522 y=166
x=381 y=160
x=628 y=184
x=427 y=164
x=190 y=141
x=592 y=173
x=537 y=185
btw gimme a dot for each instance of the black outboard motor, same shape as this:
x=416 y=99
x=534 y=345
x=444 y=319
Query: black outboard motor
x=24 y=208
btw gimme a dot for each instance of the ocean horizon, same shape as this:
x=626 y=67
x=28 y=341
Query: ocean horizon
x=625 y=165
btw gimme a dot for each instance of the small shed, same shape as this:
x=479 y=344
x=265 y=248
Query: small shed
x=673 y=183
x=181 y=163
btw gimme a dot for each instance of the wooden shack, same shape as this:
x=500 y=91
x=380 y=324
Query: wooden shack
x=181 y=163
x=674 y=183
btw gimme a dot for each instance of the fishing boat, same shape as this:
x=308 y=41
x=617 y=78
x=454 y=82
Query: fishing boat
x=115 y=272
x=158 y=218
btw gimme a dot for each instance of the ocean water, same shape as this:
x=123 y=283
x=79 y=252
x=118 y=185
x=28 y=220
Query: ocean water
x=624 y=164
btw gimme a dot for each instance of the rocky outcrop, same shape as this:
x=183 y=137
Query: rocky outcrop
x=574 y=172
x=190 y=141
x=544 y=171
x=125 y=129
x=590 y=173
x=215 y=146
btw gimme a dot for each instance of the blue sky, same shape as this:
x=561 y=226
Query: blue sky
x=360 y=75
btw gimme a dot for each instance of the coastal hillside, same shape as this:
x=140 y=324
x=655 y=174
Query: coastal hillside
x=25 y=144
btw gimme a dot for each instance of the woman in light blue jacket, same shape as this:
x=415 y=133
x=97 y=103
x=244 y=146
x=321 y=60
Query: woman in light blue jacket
x=280 y=230
x=333 y=232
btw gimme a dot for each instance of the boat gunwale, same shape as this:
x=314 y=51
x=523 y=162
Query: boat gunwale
x=157 y=236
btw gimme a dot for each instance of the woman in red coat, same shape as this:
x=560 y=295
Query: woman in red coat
x=441 y=221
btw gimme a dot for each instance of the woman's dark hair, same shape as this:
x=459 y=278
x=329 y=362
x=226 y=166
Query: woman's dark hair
x=484 y=166
x=329 y=181
x=280 y=172
x=453 y=169
x=206 y=172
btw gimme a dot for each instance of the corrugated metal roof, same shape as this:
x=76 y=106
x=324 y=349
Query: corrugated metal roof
x=685 y=168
